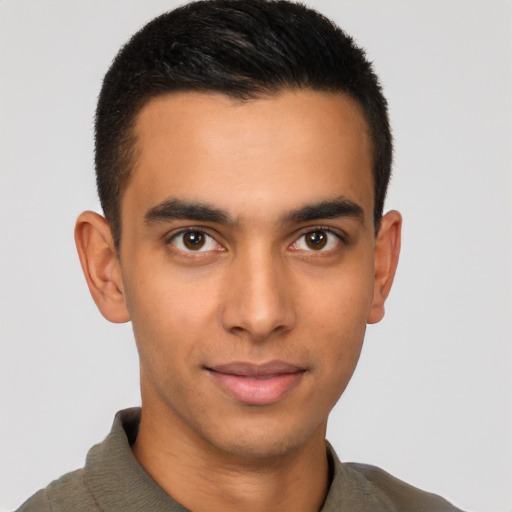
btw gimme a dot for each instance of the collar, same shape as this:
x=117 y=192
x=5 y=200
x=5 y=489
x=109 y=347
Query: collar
x=116 y=479
x=119 y=482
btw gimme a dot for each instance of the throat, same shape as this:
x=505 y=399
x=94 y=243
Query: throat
x=203 y=480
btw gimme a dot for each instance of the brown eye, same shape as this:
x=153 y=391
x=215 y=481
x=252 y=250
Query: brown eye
x=319 y=240
x=193 y=240
x=316 y=240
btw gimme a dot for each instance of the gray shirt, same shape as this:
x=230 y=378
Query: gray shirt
x=112 y=480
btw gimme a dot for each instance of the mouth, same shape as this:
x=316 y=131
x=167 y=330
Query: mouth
x=257 y=384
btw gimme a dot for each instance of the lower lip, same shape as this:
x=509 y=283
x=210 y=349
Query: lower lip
x=257 y=390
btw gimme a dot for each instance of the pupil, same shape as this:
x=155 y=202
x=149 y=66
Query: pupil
x=194 y=240
x=316 y=240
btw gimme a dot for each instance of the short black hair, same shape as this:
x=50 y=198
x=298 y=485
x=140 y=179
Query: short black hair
x=241 y=48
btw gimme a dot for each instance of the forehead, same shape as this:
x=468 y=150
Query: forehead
x=267 y=153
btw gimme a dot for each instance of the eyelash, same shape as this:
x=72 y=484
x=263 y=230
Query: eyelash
x=341 y=238
x=190 y=230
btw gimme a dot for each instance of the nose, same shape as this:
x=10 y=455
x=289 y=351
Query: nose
x=259 y=301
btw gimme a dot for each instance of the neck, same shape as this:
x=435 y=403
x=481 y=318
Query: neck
x=203 y=478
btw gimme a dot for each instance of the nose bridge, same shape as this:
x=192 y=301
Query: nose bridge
x=259 y=301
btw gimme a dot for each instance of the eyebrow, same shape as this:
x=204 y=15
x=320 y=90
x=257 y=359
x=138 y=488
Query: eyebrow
x=330 y=209
x=173 y=209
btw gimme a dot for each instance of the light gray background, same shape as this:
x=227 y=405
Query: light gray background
x=431 y=401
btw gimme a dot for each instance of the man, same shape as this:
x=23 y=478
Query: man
x=243 y=153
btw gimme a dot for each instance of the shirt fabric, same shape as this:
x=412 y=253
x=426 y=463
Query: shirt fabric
x=113 y=481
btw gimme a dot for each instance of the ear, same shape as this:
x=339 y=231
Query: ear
x=101 y=267
x=387 y=251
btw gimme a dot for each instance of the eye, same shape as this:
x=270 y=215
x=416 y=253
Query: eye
x=194 y=240
x=317 y=240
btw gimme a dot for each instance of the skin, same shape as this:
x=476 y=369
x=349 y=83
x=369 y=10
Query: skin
x=286 y=271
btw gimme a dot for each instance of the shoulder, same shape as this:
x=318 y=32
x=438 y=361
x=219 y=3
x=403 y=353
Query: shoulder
x=399 y=494
x=370 y=489
x=69 y=493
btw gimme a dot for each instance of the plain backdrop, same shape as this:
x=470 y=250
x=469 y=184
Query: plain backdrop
x=431 y=401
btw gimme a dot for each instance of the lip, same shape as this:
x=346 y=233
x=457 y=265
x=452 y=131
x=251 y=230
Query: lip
x=257 y=384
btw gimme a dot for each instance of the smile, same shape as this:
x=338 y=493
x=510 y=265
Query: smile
x=257 y=384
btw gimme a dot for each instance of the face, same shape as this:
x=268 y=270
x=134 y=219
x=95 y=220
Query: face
x=248 y=259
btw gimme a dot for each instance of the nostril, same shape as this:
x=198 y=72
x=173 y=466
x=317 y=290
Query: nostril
x=237 y=330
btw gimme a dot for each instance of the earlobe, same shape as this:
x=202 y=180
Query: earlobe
x=100 y=265
x=387 y=251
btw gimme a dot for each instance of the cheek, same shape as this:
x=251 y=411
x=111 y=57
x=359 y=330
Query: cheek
x=160 y=294
x=342 y=299
x=343 y=329
x=336 y=315
x=170 y=315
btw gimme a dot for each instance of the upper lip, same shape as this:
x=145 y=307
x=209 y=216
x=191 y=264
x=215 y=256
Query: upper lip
x=244 y=369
